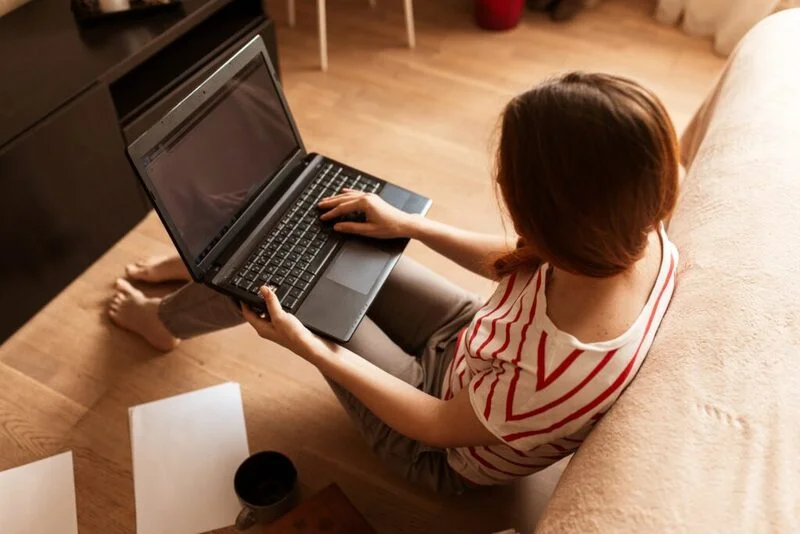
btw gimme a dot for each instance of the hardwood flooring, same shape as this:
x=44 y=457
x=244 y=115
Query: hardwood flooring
x=423 y=118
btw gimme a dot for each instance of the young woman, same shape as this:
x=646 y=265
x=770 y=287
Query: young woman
x=454 y=393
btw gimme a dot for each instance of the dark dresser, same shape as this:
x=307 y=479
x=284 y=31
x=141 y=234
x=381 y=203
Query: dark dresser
x=70 y=98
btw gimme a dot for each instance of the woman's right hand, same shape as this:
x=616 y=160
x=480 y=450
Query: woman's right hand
x=382 y=220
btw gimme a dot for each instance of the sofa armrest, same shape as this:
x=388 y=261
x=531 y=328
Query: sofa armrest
x=706 y=437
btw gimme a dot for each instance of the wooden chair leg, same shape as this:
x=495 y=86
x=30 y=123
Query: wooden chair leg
x=292 y=14
x=409 y=8
x=323 y=35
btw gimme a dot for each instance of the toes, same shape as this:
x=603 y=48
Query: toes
x=125 y=288
x=136 y=271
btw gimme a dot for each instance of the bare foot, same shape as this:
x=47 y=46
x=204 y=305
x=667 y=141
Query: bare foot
x=133 y=311
x=157 y=269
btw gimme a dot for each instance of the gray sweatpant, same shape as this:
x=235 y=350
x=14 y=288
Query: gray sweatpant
x=409 y=332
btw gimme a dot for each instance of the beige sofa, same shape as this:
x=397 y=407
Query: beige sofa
x=707 y=438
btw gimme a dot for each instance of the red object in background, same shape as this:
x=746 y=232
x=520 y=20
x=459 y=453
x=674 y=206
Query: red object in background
x=498 y=15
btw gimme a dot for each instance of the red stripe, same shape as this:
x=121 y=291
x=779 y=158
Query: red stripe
x=480 y=380
x=487 y=411
x=486 y=463
x=494 y=323
x=526 y=466
x=508 y=330
x=559 y=448
x=566 y=396
x=614 y=386
x=581 y=412
x=459 y=337
x=449 y=394
x=463 y=357
x=542 y=380
x=513 y=386
x=509 y=287
x=573 y=440
x=517 y=451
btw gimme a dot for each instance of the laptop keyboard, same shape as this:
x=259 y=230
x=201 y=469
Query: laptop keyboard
x=296 y=249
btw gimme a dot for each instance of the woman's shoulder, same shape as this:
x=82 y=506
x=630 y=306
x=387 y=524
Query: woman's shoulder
x=615 y=316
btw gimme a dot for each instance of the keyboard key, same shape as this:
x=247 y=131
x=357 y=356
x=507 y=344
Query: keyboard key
x=295 y=293
x=322 y=256
x=302 y=285
x=314 y=267
x=282 y=291
x=307 y=277
x=291 y=303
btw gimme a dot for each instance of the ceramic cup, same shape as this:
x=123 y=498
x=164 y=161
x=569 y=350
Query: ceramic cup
x=266 y=485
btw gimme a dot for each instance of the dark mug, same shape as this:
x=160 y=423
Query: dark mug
x=266 y=485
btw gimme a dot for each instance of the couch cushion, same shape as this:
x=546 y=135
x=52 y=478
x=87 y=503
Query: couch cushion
x=707 y=438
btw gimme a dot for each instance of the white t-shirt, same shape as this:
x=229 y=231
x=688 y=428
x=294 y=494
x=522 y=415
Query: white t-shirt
x=537 y=388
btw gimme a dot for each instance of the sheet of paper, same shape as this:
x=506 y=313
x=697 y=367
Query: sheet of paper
x=185 y=452
x=39 y=497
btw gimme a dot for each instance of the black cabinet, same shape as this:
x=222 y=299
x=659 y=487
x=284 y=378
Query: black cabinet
x=68 y=192
x=72 y=98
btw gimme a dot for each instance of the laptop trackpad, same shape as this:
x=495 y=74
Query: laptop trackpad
x=357 y=266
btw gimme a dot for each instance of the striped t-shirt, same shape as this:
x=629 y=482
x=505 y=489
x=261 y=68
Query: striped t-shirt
x=539 y=389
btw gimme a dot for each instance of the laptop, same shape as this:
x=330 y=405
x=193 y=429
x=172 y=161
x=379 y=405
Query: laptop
x=230 y=178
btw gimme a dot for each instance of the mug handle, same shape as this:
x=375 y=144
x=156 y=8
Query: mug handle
x=245 y=519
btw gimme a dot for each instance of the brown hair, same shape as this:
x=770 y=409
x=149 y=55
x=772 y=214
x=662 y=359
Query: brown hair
x=587 y=166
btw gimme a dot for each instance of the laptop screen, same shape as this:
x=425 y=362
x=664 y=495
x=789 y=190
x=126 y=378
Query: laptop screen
x=211 y=166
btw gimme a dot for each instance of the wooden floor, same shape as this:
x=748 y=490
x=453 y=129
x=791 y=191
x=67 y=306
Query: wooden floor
x=421 y=118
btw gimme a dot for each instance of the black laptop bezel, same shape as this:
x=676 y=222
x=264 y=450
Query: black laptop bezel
x=199 y=266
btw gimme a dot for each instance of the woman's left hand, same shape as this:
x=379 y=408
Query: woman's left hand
x=283 y=328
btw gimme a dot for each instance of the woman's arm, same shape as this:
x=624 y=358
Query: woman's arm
x=471 y=250
x=406 y=409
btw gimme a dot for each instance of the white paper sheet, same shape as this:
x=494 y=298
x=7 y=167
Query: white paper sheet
x=185 y=452
x=39 y=497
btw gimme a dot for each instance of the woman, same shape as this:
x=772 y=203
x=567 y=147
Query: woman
x=454 y=394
